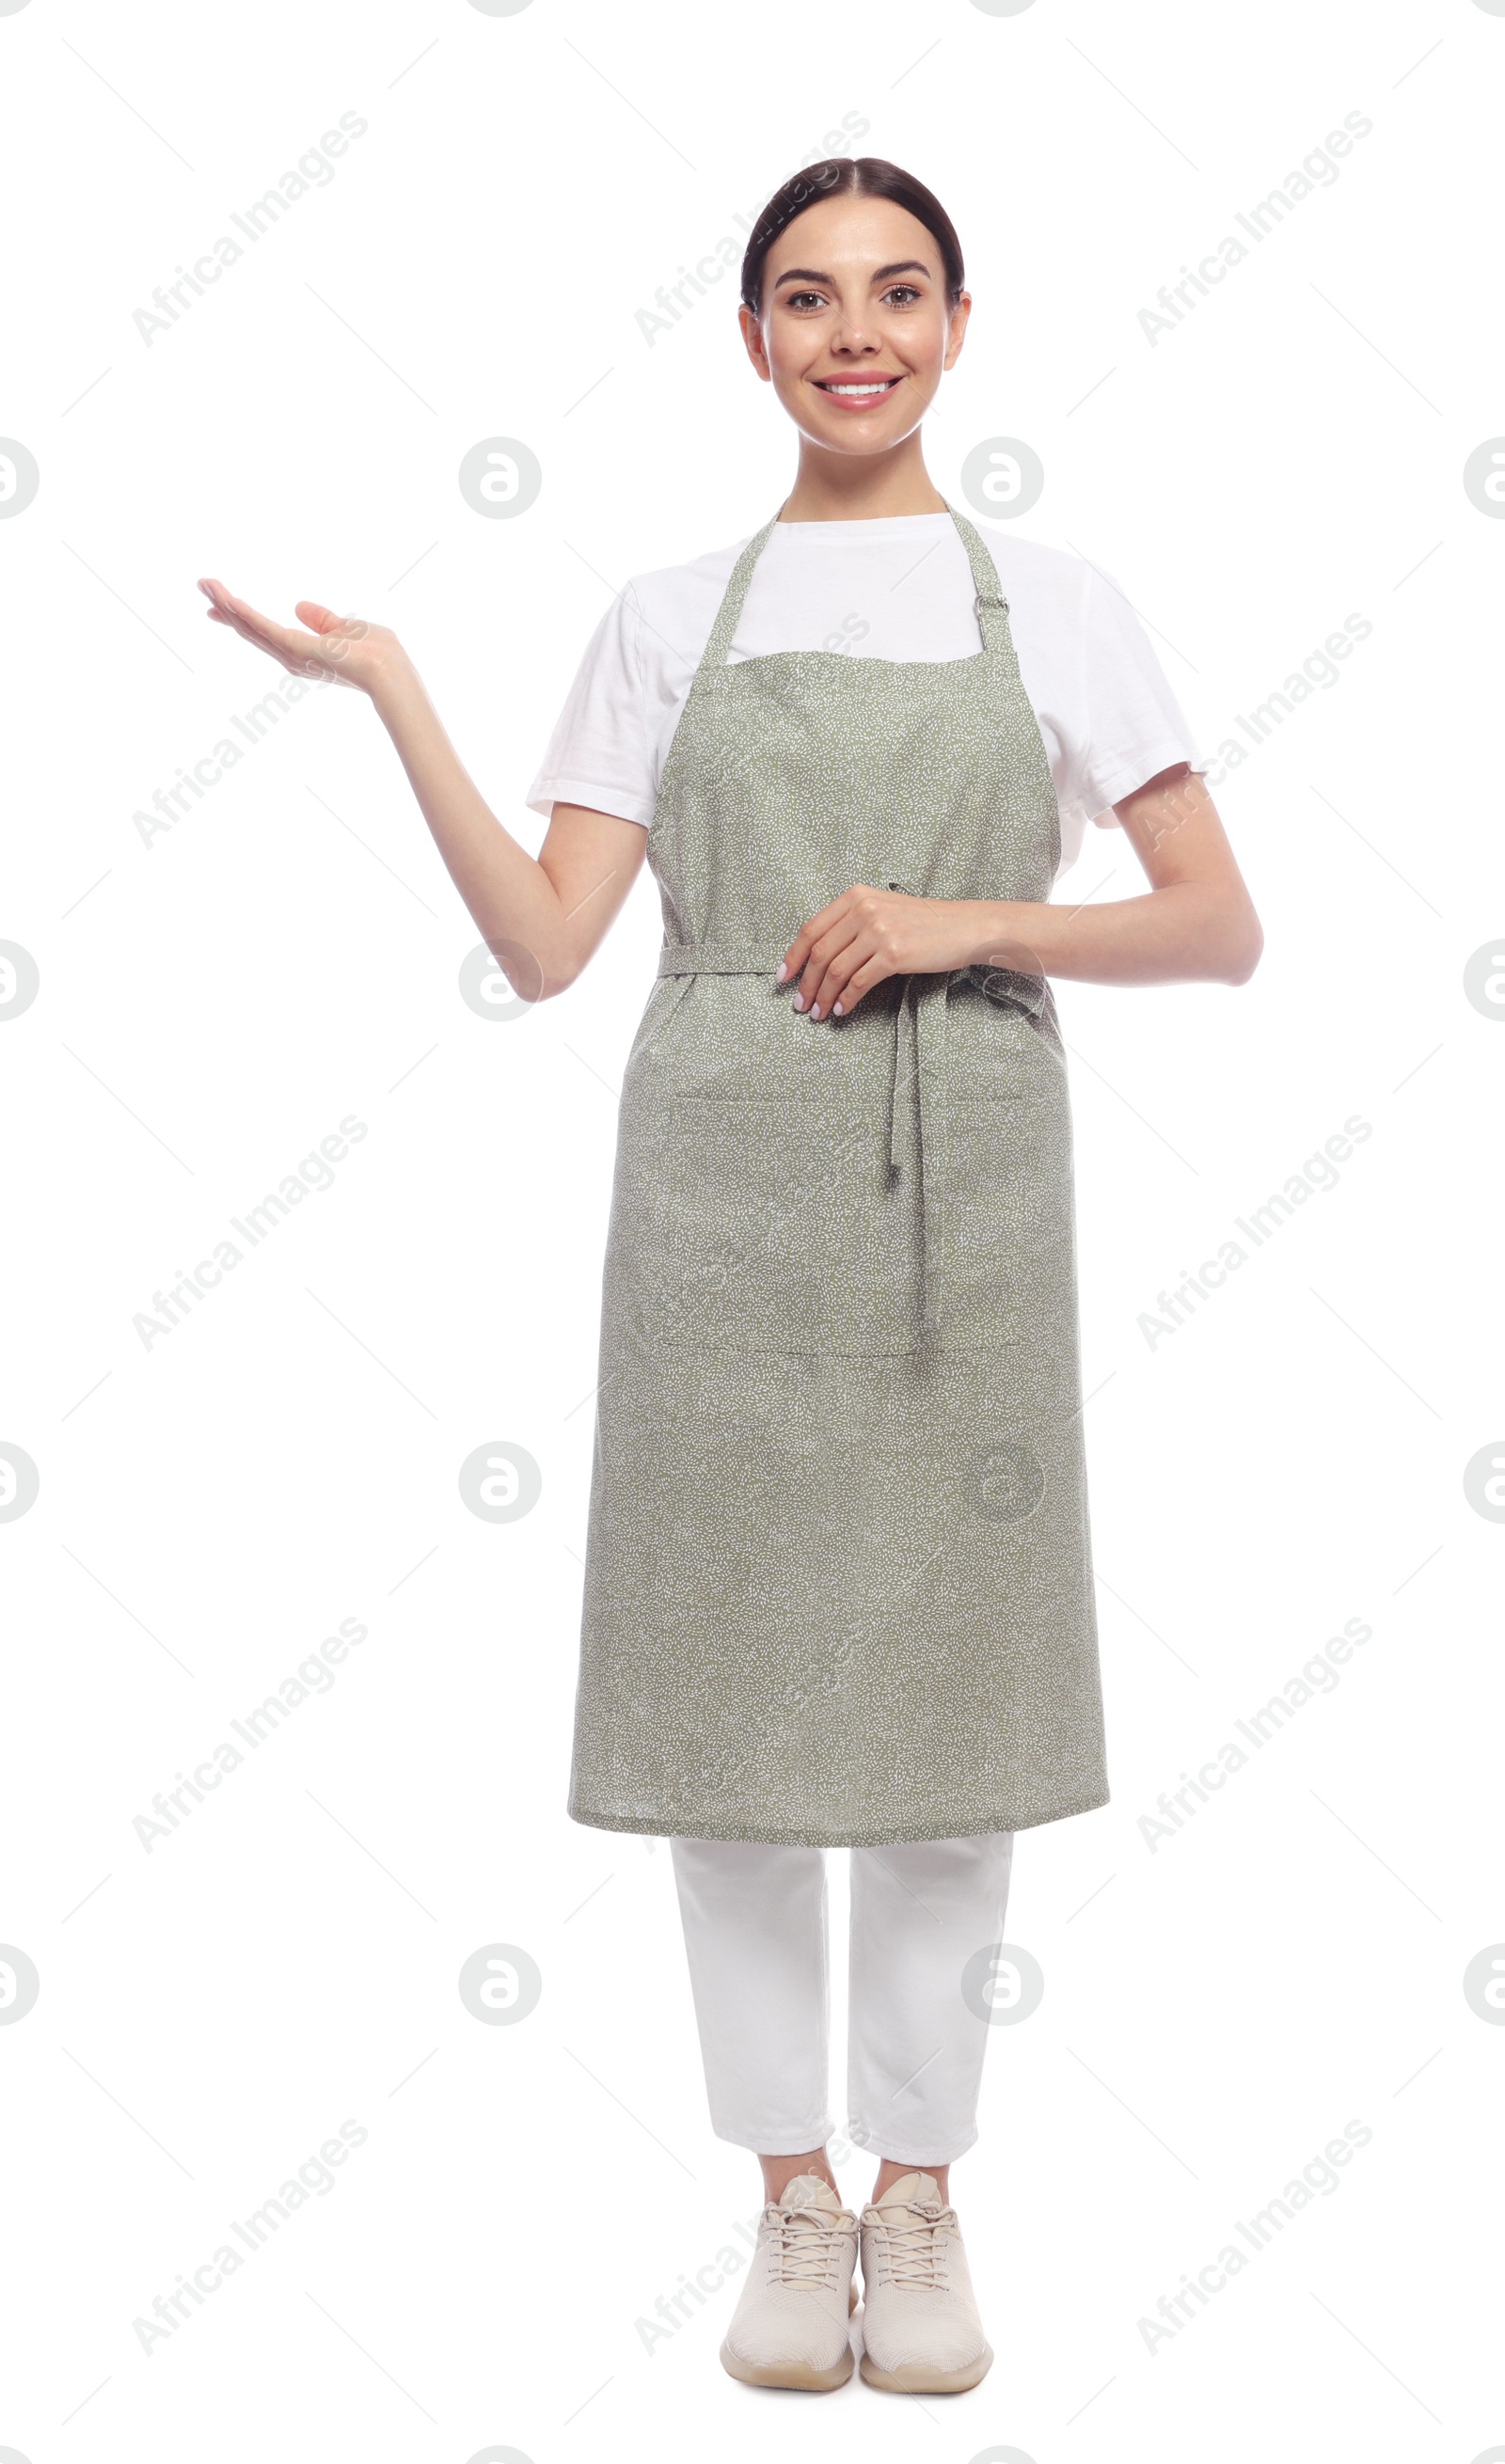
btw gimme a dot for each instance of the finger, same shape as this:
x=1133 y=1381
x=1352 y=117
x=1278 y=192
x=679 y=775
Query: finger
x=336 y=632
x=260 y=627
x=799 y=950
x=858 y=961
x=812 y=970
x=819 y=984
x=249 y=633
x=227 y=616
x=247 y=623
x=215 y=591
x=873 y=971
x=300 y=653
x=296 y=664
x=236 y=624
x=289 y=644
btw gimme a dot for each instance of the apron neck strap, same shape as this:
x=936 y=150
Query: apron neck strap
x=736 y=591
x=992 y=607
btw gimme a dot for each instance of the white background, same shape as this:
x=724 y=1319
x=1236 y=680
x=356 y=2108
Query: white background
x=212 y=1004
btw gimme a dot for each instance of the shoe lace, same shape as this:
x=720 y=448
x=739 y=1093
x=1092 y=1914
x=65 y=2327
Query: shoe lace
x=807 y=2242
x=911 y=2244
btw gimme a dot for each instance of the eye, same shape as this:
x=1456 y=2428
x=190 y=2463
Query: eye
x=901 y=295
x=802 y=298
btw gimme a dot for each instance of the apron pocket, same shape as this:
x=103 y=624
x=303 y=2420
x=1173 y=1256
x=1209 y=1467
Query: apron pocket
x=780 y=1228
x=1011 y=1228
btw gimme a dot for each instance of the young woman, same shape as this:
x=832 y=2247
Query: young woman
x=838 y=1588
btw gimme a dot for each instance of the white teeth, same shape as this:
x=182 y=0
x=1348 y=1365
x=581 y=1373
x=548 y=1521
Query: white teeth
x=860 y=388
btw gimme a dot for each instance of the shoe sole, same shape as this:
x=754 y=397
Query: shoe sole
x=793 y=2374
x=917 y=2378
x=788 y=2374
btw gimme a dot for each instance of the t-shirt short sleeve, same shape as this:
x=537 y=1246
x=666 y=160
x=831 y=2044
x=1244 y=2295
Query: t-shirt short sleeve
x=1130 y=724
x=599 y=752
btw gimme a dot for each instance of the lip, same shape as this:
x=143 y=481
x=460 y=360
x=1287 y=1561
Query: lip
x=859 y=402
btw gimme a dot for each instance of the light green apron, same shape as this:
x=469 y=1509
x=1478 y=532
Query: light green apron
x=838 y=1581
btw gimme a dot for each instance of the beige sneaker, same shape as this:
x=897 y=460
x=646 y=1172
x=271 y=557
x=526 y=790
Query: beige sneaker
x=921 y=2331
x=790 y=2327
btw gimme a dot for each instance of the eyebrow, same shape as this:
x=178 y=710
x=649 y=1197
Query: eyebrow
x=806 y=274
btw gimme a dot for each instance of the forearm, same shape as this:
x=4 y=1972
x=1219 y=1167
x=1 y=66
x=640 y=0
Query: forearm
x=1186 y=932
x=508 y=893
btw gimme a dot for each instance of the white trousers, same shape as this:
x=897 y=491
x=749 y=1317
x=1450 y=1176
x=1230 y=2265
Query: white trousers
x=755 y=1935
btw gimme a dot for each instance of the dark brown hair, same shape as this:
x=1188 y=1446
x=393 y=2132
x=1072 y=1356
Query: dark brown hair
x=865 y=175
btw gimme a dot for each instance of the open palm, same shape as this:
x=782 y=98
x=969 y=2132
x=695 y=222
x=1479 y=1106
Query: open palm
x=345 y=647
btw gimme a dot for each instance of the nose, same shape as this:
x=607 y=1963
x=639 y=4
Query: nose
x=849 y=336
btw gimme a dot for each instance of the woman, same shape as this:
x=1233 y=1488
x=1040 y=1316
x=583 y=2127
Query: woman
x=838 y=1587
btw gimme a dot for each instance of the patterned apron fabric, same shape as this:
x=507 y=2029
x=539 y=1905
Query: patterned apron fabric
x=838 y=1578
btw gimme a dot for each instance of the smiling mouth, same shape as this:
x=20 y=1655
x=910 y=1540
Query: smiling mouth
x=858 y=389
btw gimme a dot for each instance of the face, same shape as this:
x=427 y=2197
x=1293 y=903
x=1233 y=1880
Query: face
x=855 y=330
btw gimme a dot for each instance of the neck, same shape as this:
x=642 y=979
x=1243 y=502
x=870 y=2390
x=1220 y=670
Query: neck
x=860 y=487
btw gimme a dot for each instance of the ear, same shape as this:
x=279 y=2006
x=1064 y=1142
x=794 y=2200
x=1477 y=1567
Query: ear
x=958 y=329
x=752 y=335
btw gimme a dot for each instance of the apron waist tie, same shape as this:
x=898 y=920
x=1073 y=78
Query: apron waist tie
x=917 y=1082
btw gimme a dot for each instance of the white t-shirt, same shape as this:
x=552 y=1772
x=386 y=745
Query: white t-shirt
x=899 y=587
